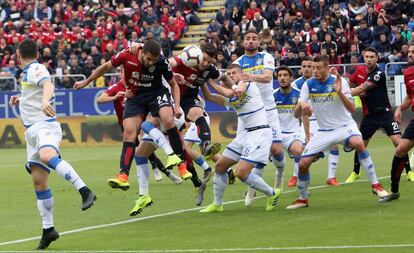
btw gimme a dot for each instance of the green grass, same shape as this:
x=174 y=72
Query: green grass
x=346 y=215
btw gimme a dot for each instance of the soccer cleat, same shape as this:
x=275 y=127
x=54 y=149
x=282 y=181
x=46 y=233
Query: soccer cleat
x=231 y=175
x=292 y=181
x=332 y=181
x=176 y=179
x=392 y=196
x=209 y=150
x=200 y=194
x=212 y=208
x=157 y=174
x=184 y=173
x=353 y=177
x=410 y=176
x=142 y=202
x=49 y=235
x=272 y=200
x=249 y=196
x=88 y=197
x=172 y=160
x=121 y=182
x=299 y=203
x=379 y=191
x=412 y=160
x=207 y=175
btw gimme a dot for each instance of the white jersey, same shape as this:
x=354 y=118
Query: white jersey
x=328 y=108
x=249 y=107
x=285 y=104
x=298 y=83
x=256 y=65
x=30 y=102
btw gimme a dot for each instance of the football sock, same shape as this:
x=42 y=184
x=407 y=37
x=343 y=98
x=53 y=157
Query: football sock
x=175 y=141
x=279 y=160
x=45 y=206
x=333 y=162
x=303 y=185
x=202 y=163
x=256 y=182
x=157 y=136
x=66 y=171
x=296 y=166
x=219 y=186
x=357 y=165
x=367 y=164
x=143 y=174
x=398 y=165
x=127 y=155
x=203 y=129
x=156 y=163
x=190 y=167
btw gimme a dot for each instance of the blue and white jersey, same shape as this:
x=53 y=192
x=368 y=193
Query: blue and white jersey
x=249 y=107
x=256 y=65
x=285 y=103
x=30 y=104
x=328 y=108
x=298 y=83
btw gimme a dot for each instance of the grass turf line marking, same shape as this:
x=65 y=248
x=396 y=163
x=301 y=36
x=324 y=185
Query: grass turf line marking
x=154 y=216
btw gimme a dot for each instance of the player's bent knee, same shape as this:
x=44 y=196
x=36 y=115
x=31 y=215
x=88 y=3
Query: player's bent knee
x=242 y=174
x=47 y=153
x=401 y=151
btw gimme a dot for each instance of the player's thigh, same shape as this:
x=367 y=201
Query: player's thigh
x=256 y=146
x=145 y=148
x=404 y=147
x=243 y=169
x=320 y=141
x=132 y=126
x=166 y=115
x=296 y=148
x=391 y=128
x=368 y=127
x=223 y=163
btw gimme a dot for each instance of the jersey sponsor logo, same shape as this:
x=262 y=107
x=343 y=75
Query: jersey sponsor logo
x=285 y=108
x=323 y=97
x=238 y=102
x=132 y=63
x=256 y=70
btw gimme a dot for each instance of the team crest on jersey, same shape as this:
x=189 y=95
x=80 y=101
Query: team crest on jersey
x=330 y=88
x=151 y=69
x=259 y=61
x=294 y=100
x=135 y=75
x=377 y=77
x=205 y=74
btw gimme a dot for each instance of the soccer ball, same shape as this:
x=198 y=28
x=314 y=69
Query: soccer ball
x=192 y=56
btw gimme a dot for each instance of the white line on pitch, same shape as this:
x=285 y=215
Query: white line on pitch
x=150 y=217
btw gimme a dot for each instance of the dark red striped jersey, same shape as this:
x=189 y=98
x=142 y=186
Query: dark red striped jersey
x=409 y=84
x=119 y=103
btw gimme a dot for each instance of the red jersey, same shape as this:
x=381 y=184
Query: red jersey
x=359 y=76
x=119 y=103
x=194 y=78
x=409 y=84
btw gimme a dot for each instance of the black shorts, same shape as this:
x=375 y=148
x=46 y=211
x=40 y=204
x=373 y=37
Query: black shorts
x=142 y=104
x=409 y=131
x=188 y=103
x=372 y=122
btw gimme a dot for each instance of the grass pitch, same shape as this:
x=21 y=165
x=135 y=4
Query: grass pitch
x=339 y=219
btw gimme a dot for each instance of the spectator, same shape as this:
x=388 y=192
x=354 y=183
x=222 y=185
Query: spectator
x=258 y=23
x=384 y=48
x=371 y=17
x=156 y=29
x=324 y=29
x=180 y=21
x=319 y=12
x=244 y=24
x=172 y=31
x=214 y=27
x=381 y=28
x=252 y=10
x=225 y=31
x=222 y=15
x=364 y=35
x=120 y=43
x=42 y=11
x=328 y=44
x=236 y=15
x=165 y=45
x=88 y=67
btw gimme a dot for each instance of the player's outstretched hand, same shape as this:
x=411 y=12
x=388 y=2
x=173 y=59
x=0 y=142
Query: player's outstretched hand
x=14 y=100
x=48 y=109
x=80 y=84
x=397 y=116
x=333 y=71
x=307 y=110
x=338 y=84
x=177 y=111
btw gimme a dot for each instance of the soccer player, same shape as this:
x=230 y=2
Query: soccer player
x=371 y=85
x=116 y=94
x=312 y=127
x=250 y=149
x=43 y=137
x=258 y=68
x=332 y=104
x=400 y=159
x=286 y=98
x=143 y=76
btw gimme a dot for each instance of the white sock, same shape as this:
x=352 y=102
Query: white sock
x=45 y=206
x=333 y=163
x=366 y=163
x=143 y=174
x=296 y=166
x=66 y=171
x=219 y=186
x=159 y=138
x=202 y=163
x=257 y=183
x=279 y=161
x=303 y=185
x=258 y=172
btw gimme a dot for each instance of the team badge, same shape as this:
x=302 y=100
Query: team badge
x=151 y=69
x=377 y=77
x=259 y=61
x=205 y=74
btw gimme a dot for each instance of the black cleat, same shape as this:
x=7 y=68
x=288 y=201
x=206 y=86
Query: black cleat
x=88 y=197
x=200 y=194
x=392 y=196
x=231 y=176
x=49 y=235
x=209 y=150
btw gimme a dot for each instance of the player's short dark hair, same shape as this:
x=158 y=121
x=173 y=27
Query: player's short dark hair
x=28 y=49
x=152 y=47
x=306 y=58
x=286 y=68
x=233 y=66
x=251 y=31
x=209 y=49
x=371 y=49
x=321 y=58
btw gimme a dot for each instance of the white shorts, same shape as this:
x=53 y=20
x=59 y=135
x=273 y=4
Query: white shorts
x=313 y=127
x=323 y=140
x=39 y=135
x=289 y=138
x=273 y=120
x=253 y=147
x=191 y=135
x=178 y=122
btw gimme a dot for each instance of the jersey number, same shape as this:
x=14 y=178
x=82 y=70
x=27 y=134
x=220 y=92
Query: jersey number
x=162 y=99
x=395 y=126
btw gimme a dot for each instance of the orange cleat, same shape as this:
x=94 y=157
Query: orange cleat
x=332 y=181
x=184 y=173
x=292 y=181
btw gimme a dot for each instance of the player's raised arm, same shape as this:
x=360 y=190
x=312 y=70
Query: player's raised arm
x=404 y=105
x=48 y=91
x=105 y=97
x=100 y=71
x=214 y=98
x=344 y=93
x=228 y=93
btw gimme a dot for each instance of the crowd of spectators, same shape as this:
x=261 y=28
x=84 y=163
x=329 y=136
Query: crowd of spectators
x=75 y=37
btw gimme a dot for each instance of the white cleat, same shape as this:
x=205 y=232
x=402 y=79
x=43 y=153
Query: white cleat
x=157 y=174
x=299 y=203
x=249 y=197
x=379 y=191
x=176 y=179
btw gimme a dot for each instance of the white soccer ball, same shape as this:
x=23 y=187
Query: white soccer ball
x=191 y=56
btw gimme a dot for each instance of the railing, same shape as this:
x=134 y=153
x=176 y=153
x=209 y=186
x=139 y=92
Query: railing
x=12 y=84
